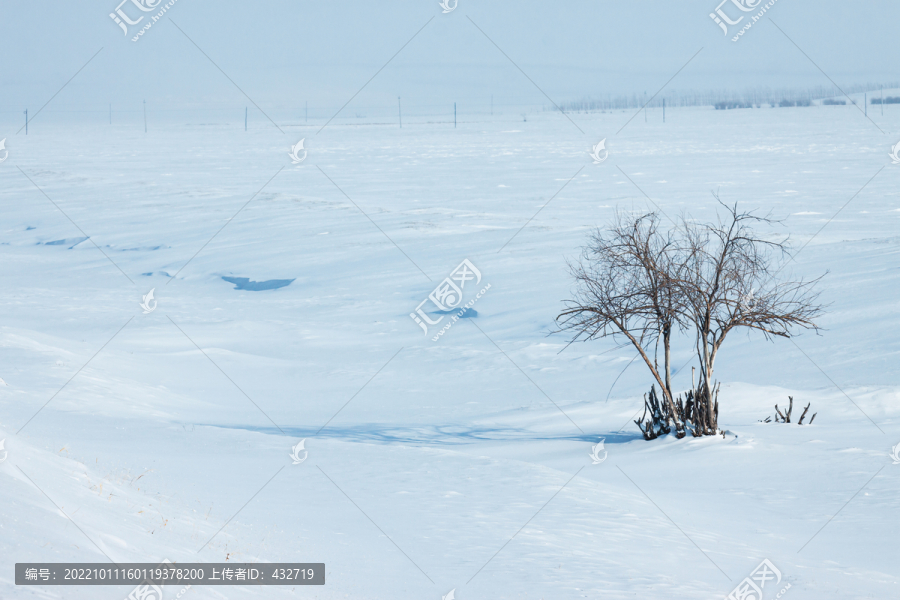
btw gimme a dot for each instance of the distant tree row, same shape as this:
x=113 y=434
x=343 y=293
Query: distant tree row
x=749 y=97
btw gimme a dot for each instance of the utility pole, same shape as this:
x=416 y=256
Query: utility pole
x=399 y=112
x=26 y=122
x=866 y=102
x=664 y=110
x=306 y=111
x=245 y=118
x=110 y=114
x=454 y=115
x=882 y=101
x=145 y=116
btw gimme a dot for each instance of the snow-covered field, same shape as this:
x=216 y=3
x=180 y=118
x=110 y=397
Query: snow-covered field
x=459 y=464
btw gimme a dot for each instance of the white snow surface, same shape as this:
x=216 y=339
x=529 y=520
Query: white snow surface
x=457 y=464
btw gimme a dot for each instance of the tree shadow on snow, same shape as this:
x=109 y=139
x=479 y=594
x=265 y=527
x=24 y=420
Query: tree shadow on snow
x=447 y=435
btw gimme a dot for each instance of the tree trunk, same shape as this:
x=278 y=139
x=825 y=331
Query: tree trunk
x=667 y=391
x=668 y=366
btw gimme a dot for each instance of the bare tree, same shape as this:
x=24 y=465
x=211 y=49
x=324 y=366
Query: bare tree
x=729 y=280
x=626 y=288
x=637 y=282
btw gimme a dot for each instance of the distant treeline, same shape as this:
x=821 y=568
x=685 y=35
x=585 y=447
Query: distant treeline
x=724 y=100
x=730 y=105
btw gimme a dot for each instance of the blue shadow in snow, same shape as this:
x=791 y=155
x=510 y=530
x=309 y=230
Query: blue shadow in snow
x=244 y=283
x=65 y=242
x=439 y=436
x=468 y=313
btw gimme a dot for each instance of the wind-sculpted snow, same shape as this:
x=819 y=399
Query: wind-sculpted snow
x=157 y=428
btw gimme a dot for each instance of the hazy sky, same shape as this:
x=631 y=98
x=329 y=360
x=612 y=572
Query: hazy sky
x=283 y=53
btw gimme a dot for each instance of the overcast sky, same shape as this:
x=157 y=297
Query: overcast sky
x=283 y=53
